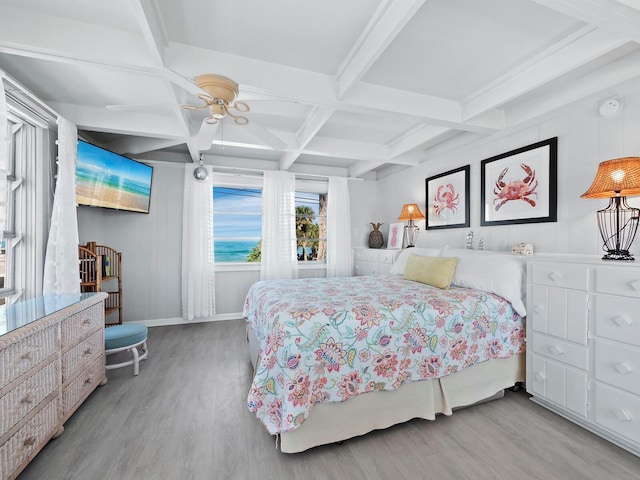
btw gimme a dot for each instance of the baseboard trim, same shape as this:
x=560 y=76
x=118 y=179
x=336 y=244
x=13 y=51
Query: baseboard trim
x=163 y=322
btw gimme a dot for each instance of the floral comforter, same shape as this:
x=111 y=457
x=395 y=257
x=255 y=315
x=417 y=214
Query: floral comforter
x=326 y=340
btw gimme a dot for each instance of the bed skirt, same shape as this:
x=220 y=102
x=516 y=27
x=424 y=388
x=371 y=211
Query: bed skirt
x=334 y=422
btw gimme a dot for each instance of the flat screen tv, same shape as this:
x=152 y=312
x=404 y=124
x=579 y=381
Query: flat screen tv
x=106 y=179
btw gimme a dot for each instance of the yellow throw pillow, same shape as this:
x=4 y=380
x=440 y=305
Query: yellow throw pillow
x=435 y=271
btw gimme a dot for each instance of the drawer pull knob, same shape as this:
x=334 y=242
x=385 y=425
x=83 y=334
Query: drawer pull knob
x=556 y=350
x=88 y=351
x=88 y=380
x=540 y=377
x=86 y=321
x=635 y=285
x=623 y=368
x=28 y=398
x=29 y=442
x=539 y=309
x=26 y=357
x=622 y=415
x=622 y=321
x=555 y=276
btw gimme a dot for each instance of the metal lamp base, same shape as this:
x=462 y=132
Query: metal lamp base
x=618 y=255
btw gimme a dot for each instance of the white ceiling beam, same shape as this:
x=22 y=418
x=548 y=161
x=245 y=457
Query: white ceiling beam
x=150 y=24
x=102 y=120
x=600 y=84
x=312 y=124
x=620 y=16
x=415 y=137
x=386 y=23
x=581 y=47
x=360 y=168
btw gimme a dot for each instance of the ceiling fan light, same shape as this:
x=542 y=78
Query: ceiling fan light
x=218 y=86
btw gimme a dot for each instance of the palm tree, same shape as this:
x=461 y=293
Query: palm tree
x=306 y=230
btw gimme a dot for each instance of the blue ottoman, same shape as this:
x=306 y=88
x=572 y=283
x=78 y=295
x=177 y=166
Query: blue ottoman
x=126 y=337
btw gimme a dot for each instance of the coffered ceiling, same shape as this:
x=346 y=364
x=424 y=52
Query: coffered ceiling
x=355 y=88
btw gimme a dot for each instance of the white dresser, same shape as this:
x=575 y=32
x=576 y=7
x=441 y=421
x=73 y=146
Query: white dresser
x=51 y=359
x=373 y=261
x=583 y=343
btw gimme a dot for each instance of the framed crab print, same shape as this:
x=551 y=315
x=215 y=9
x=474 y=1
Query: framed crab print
x=520 y=186
x=448 y=202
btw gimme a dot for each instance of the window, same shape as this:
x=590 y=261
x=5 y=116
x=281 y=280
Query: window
x=237 y=225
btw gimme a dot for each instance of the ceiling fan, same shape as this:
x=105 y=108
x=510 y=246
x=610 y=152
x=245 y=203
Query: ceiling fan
x=220 y=98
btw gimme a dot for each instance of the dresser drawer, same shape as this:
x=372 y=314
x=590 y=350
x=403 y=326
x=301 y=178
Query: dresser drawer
x=29 y=439
x=561 y=351
x=617 y=318
x=76 y=391
x=79 y=356
x=618 y=365
x=20 y=357
x=618 y=281
x=81 y=324
x=386 y=257
x=560 y=275
x=23 y=398
x=617 y=411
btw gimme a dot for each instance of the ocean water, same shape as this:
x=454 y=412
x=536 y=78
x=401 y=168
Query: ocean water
x=233 y=251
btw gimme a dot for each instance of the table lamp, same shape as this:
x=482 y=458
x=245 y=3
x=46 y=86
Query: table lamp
x=616 y=180
x=410 y=212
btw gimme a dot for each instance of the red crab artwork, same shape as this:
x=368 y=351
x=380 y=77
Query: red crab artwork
x=516 y=189
x=445 y=198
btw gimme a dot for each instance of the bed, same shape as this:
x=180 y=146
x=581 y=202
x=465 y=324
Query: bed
x=336 y=358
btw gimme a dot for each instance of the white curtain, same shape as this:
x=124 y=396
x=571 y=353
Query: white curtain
x=4 y=156
x=279 y=258
x=61 y=267
x=198 y=274
x=338 y=228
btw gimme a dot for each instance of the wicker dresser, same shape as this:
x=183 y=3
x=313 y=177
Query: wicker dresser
x=51 y=359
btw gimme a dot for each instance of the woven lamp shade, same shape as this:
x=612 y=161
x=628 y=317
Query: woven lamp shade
x=617 y=177
x=410 y=211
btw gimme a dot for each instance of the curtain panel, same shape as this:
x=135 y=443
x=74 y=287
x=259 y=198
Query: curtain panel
x=198 y=274
x=338 y=229
x=279 y=258
x=61 y=267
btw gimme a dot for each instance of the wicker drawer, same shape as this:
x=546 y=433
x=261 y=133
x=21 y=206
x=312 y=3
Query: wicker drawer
x=81 y=324
x=79 y=356
x=29 y=439
x=76 y=391
x=22 y=399
x=21 y=356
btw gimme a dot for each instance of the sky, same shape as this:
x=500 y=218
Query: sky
x=244 y=207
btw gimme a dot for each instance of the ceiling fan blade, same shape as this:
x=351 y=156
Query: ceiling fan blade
x=266 y=136
x=151 y=107
x=206 y=135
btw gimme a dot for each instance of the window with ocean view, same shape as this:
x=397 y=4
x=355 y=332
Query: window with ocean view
x=237 y=225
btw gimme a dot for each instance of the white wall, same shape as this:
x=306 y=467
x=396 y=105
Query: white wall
x=584 y=139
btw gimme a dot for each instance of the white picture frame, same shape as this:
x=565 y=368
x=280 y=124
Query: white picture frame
x=396 y=236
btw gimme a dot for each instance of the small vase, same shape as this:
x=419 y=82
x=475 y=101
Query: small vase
x=376 y=240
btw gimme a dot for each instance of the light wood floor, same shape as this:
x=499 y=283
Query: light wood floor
x=184 y=417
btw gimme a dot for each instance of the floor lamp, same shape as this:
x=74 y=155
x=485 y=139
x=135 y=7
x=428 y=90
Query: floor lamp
x=410 y=212
x=616 y=180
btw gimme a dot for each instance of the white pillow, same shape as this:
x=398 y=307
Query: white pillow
x=401 y=262
x=490 y=272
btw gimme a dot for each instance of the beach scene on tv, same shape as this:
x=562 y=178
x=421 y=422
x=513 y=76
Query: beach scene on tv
x=105 y=179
